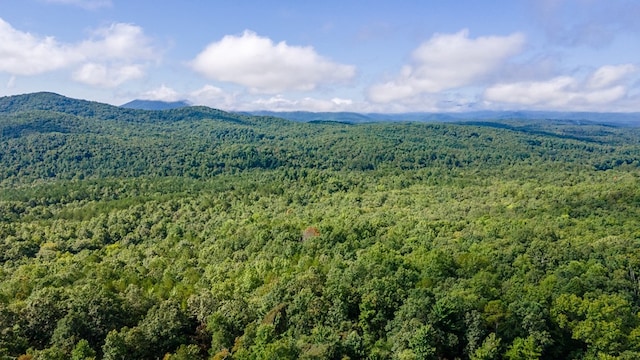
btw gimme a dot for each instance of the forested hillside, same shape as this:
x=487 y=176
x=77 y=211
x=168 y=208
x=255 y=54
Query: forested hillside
x=193 y=233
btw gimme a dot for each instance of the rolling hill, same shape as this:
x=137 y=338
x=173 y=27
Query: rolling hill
x=195 y=233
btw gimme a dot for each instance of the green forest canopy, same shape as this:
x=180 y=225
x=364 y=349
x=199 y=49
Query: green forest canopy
x=194 y=233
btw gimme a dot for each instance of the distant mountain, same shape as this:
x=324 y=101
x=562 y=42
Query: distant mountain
x=155 y=104
x=180 y=110
x=617 y=118
x=47 y=101
x=630 y=119
x=46 y=104
x=46 y=135
x=307 y=116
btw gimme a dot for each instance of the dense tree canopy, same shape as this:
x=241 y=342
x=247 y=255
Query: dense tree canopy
x=198 y=234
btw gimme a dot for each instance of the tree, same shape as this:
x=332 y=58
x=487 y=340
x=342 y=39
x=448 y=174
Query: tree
x=82 y=351
x=524 y=349
x=115 y=347
x=489 y=350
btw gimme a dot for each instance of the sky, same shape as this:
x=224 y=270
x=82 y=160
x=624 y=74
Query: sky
x=330 y=55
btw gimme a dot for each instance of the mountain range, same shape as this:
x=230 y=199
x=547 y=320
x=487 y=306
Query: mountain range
x=628 y=119
x=155 y=104
x=55 y=102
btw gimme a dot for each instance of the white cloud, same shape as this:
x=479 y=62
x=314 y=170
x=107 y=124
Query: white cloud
x=162 y=93
x=208 y=91
x=213 y=96
x=114 y=54
x=609 y=75
x=25 y=54
x=599 y=91
x=264 y=67
x=87 y=4
x=107 y=76
x=447 y=61
x=339 y=101
x=280 y=103
x=118 y=41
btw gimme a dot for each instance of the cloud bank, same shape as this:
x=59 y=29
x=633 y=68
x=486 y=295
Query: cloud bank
x=25 y=54
x=265 y=67
x=112 y=56
x=162 y=93
x=107 y=76
x=447 y=61
x=605 y=85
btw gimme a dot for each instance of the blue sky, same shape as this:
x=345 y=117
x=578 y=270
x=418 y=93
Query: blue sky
x=347 y=55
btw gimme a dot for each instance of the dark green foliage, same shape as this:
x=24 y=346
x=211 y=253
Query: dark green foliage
x=184 y=234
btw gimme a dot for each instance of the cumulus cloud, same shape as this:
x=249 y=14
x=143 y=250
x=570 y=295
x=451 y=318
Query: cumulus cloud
x=25 y=54
x=162 y=93
x=213 y=96
x=86 y=4
x=107 y=76
x=265 y=67
x=602 y=87
x=447 y=61
x=112 y=55
x=609 y=75
x=280 y=103
x=120 y=42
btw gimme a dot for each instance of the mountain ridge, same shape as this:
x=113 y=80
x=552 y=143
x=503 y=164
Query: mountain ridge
x=52 y=102
x=141 y=104
x=619 y=118
x=136 y=111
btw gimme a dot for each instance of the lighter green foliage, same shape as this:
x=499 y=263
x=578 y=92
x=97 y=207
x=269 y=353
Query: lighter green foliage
x=181 y=235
